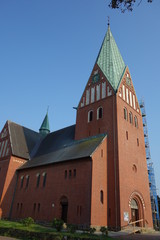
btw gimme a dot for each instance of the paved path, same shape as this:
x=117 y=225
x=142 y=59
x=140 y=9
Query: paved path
x=140 y=237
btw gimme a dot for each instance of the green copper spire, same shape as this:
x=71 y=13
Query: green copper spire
x=44 y=129
x=110 y=60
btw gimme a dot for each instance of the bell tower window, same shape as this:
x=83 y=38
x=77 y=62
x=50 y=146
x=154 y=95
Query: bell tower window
x=99 y=113
x=125 y=114
x=130 y=118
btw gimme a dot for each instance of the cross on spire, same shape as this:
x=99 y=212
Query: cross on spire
x=108 y=21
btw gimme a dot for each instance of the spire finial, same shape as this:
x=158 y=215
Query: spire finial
x=108 y=21
x=47 y=109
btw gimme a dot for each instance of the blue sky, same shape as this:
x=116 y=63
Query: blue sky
x=48 y=49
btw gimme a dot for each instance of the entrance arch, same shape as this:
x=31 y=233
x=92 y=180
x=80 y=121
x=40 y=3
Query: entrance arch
x=137 y=206
x=64 y=208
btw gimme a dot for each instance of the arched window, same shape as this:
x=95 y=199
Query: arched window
x=125 y=114
x=44 y=178
x=99 y=112
x=27 y=181
x=38 y=179
x=22 y=180
x=90 y=116
x=136 y=121
x=130 y=117
x=101 y=196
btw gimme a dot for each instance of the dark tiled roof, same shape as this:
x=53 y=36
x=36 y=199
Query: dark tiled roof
x=60 y=146
x=22 y=139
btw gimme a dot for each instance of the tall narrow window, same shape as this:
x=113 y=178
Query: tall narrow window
x=17 y=207
x=27 y=181
x=101 y=196
x=127 y=135
x=39 y=206
x=101 y=152
x=21 y=206
x=34 y=207
x=125 y=114
x=99 y=112
x=90 y=116
x=65 y=174
x=74 y=172
x=136 y=121
x=80 y=210
x=70 y=173
x=130 y=117
x=44 y=178
x=137 y=142
x=22 y=180
x=77 y=210
x=38 y=180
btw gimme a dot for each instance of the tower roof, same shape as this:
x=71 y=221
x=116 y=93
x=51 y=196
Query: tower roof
x=110 y=60
x=44 y=129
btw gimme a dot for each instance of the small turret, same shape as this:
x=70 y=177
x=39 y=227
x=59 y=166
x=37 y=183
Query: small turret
x=44 y=129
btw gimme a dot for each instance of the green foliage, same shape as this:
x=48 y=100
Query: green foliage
x=124 y=5
x=36 y=232
x=27 y=221
x=57 y=224
x=104 y=230
x=58 y=238
x=71 y=228
x=92 y=230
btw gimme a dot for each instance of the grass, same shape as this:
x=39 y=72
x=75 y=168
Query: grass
x=36 y=228
x=20 y=226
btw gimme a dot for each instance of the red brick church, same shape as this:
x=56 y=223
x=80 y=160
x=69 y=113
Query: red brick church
x=93 y=173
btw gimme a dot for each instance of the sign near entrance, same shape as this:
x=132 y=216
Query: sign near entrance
x=126 y=216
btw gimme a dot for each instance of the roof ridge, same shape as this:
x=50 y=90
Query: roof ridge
x=11 y=122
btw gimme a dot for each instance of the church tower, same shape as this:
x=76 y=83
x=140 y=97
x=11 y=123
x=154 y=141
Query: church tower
x=109 y=105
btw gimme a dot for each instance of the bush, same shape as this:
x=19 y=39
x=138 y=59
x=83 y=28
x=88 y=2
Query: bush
x=57 y=224
x=71 y=228
x=104 y=230
x=27 y=221
x=92 y=230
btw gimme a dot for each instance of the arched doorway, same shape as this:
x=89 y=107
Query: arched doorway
x=137 y=206
x=64 y=208
x=134 y=211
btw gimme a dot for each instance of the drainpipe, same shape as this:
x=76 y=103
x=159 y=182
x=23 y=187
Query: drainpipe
x=115 y=163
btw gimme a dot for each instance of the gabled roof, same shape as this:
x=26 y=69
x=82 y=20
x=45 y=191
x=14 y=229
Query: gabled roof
x=22 y=140
x=60 y=146
x=110 y=60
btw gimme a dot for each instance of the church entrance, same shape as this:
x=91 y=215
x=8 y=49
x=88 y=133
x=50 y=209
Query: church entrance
x=134 y=211
x=64 y=211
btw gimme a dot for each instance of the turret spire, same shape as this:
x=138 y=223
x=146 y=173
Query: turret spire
x=44 y=129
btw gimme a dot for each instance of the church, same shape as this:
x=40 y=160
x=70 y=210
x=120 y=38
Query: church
x=93 y=173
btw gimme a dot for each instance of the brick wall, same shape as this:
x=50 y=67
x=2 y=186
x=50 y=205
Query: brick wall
x=43 y=202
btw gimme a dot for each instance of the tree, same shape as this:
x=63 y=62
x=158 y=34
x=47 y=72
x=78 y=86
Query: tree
x=124 y=5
